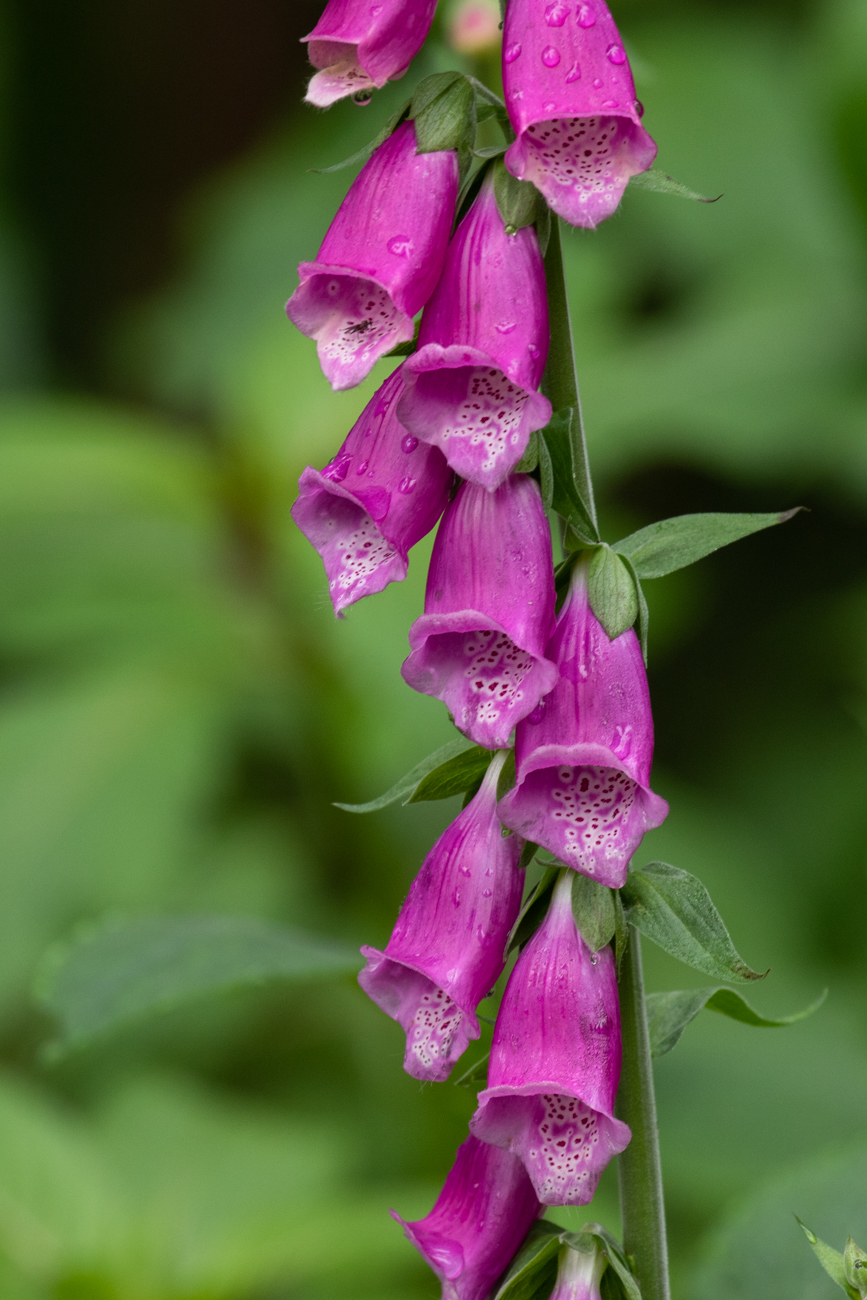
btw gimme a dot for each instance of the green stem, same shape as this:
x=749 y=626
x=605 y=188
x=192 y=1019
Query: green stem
x=640 y=1171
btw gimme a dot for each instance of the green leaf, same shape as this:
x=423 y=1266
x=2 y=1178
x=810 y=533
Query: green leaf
x=404 y=789
x=530 y=458
x=566 y=494
x=611 y=591
x=675 y=911
x=534 y=910
x=517 y=200
x=657 y=180
x=643 y=611
x=363 y=154
x=475 y=1075
x=593 y=1236
x=507 y=777
x=535 y=1265
x=594 y=912
x=831 y=1260
x=855 y=1266
x=546 y=474
x=444 y=109
x=455 y=776
x=668 y=1014
x=672 y=544
x=124 y=970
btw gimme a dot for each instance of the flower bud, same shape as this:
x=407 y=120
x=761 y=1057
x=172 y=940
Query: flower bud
x=360 y=46
x=578 y=1275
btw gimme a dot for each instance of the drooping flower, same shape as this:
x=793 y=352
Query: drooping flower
x=571 y=101
x=382 y=492
x=447 y=950
x=480 y=1218
x=578 y=1275
x=583 y=756
x=380 y=259
x=489 y=608
x=471 y=386
x=555 y=1061
x=360 y=46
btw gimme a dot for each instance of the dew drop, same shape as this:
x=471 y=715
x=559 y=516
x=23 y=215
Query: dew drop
x=486 y=893
x=375 y=10
x=511 y=52
x=400 y=245
x=539 y=712
x=406 y=485
x=532 y=349
x=598 y=83
x=609 y=103
x=550 y=56
x=506 y=326
x=362 y=468
x=550 y=106
x=409 y=443
x=556 y=13
x=616 y=54
x=362 y=98
x=639 y=107
x=337 y=470
x=573 y=74
x=586 y=16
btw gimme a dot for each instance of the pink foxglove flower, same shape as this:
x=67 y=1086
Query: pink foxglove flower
x=578 y=1275
x=571 y=100
x=489 y=609
x=448 y=947
x=555 y=1061
x=360 y=46
x=382 y=492
x=471 y=386
x=481 y=1216
x=380 y=260
x=583 y=757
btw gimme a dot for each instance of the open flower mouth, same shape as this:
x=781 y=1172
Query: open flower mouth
x=354 y=322
x=340 y=73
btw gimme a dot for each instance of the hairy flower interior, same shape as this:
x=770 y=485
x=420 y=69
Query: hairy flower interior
x=340 y=73
x=581 y=164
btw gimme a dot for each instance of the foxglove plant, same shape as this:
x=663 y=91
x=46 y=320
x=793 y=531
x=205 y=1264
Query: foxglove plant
x=359 y=46
x=579 y=1274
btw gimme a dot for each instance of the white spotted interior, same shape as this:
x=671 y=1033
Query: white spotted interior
x=358 y=555
x=559 y=1155
x=591 y=806
x=432 y=1034
x=362 y=320
x=339 y=79
x=578 y=152
x=489 y=417
x=494 y=675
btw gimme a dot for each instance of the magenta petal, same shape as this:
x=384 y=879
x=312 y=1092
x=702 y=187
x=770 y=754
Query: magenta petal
x=583 y=757
x=555 y=1062
x=480 y=1218
x=380 y=260
x=489 y=606
x=360 y=46
x=571 y=101
x=382 y=492
x=447 y=950
x=471 y=386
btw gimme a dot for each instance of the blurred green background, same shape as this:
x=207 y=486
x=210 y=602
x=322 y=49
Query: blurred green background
x=178 y=706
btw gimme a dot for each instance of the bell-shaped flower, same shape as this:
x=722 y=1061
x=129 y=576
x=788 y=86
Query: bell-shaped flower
x=382 y=492
x=555 y=1061
x=447 y=950
x=578 y=1275
x=571 y=101
x=360 y=46
x=583 y=756
x=380 y=259
x=471 y=386
x=488 y=612
x=480 y=1219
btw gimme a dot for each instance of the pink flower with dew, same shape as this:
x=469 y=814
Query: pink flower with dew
x=571 y=100
x=380 y=260
x=359 y=46
x=448 y=947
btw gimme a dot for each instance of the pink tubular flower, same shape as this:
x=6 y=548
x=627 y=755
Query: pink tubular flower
x=480 y=644
x=571 y=100
x=480 y=1218
x=578 y=1275
x=448 y=947
x=555 y=1061
x=360 y=46
x=583 y=757
x=380 y=260
x=483 y=343
x=382 y=492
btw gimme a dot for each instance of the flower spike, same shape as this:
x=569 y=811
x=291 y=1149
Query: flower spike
x=571 y=101
x=583 y=756
x=382 y=492
x=478 y=1223
x=489 y=607
x=359 y=46
x=555 y=1061
x=471 y=386
x=447 y=950
x=380 y=260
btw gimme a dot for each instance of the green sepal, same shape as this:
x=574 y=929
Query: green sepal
x=831 y=1260
x=611 y=592
x=518 y=201
x=444 y=110
x=674 y=910
x=404 y=789
x=855 y=1266
x=643 y=611
x=566 y=495
x=543 y=226
x=594 y=912
x=535 y=1266
x=457 y=775
x=546 y=474
x=475 y=1075
x=528 y=852
x=506 y=779
x=668 y=1014
x=662 y=183
x=621 y=930
x=363 y=154
x=592 y=1236
x=534 y=911
x=530 y=459
x=672 y=544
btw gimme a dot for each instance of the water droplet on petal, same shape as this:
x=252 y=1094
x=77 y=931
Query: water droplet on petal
x=486 y=893
x=400 y=245
x=550 y=106
x=598 y=83
x=338 y=468
x=610 y=103
x=506 y=326
x=616 y=54
x=556 y=13
x=532 y=349
x=511 y=52
x=550 y=56
x=539 y=712
x=573 y=74
x=586 y=16
x=362 y=98
x=409 y=443
x=374 y=10
x=406 y=485
x=639 y=107
x=362 y=468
